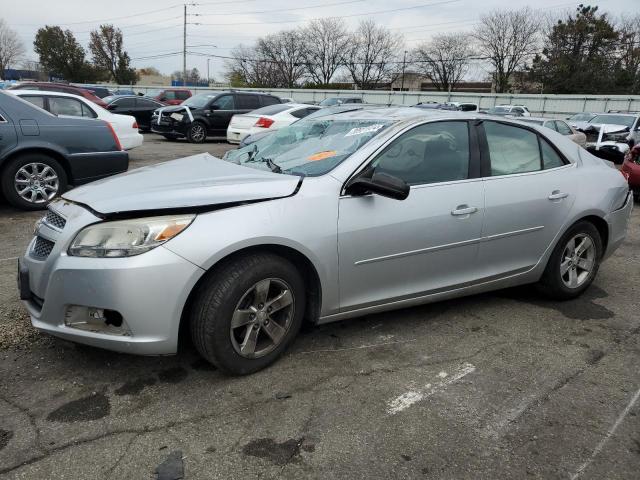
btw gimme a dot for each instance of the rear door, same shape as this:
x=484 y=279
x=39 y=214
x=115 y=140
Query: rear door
x=8 y=138
x=529 y=191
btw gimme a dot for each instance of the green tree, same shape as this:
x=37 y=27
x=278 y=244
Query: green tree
x=106 y=48
x=61 y=54
x=581 y=54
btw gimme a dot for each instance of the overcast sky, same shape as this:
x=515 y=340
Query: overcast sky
x=154 y=27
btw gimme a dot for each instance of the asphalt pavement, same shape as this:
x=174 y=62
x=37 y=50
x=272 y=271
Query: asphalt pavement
x=505 y=385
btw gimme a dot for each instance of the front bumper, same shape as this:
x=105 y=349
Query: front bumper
x=618 y=222
x=149 y=291
x=236 y=135
x=168 y=126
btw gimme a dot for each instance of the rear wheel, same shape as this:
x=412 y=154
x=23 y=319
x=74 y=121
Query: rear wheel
x=247 y=313
x=574 y=262
x=32 y=180
x=197 y=132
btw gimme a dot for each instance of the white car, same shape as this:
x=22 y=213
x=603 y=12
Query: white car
x=270 y=117
x=517 y=110
x=66 y=104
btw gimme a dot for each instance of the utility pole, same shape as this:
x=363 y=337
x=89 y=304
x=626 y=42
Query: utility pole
x=404 y=61
x=184 y=49
x=208 y=78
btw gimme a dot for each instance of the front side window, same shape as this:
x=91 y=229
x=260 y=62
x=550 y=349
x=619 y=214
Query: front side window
x=511 y=149
x=309 y=147
x=224 y=102
x=65 y=106
x=430 y=153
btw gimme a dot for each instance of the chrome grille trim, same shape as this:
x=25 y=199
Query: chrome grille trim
x=55 y=220
x=42 y=248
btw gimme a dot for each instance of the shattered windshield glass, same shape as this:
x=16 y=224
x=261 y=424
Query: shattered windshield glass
x=308 y=147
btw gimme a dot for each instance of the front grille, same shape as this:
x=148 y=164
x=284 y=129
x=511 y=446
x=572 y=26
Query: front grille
x=42 y=248
x=55 y=220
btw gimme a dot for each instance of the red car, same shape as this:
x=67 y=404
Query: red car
x=169 y=96
x=631 y=169
x=59 y=87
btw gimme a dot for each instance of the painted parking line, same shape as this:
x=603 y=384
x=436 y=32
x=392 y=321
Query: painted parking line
x=413 y=396
x=606 y=438
x=8 y=259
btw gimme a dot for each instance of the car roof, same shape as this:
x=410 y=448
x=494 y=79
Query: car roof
x=47 y=92
x=538 y=119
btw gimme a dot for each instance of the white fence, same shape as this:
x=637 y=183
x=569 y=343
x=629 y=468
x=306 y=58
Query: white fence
x=539 y=104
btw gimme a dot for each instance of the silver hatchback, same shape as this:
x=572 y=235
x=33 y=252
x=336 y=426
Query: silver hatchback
x=335 y=216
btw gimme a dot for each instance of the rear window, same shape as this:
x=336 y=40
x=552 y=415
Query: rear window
x=272 y=109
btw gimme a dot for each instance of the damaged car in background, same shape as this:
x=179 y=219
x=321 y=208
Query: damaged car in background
x=610 y=136
x=335 y=216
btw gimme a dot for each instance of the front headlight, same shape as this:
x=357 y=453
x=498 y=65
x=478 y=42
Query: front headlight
x=126 y=238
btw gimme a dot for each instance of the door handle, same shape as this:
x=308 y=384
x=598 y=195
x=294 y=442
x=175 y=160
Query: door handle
x=464 y=210
x=557 y=195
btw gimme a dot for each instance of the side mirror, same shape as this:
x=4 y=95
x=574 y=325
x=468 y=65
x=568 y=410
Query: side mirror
x=214 y=107
x=381 y=184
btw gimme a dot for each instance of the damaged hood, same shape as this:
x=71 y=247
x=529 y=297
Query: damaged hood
x=196 y=181
x=604 y=127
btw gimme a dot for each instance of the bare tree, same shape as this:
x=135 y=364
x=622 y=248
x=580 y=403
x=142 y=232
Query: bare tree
x=108 y=54
x=630 y=50
x=509 y=39
x=444 y=59
x=325 y=44
x=372 y=54
x=285 y=51
x=11 y=48
x=248 y=67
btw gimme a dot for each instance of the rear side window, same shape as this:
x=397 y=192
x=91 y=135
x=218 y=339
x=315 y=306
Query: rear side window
x=126 y=102
x=303 y=112
x=142 y=102
x=34 y=100
x=269 y=100
x=182 y=95
x=88 y=112
x=273 y=109
x=511 y=149
x=65 y=106
x=550 y=158
x=247 y=102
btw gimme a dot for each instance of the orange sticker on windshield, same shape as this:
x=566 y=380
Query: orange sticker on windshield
x=323 y=155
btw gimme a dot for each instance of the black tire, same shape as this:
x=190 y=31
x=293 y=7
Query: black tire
x=551 y=284
x=197 y=132
x=217 y=299
x=12 y=168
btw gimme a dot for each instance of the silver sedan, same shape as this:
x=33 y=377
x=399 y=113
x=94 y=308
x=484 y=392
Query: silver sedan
x=333 y=217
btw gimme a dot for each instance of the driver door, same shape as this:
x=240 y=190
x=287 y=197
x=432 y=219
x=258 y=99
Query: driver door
x=390 y=250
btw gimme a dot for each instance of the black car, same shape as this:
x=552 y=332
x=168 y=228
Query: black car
x=140 y=107
x=42 y=154
x=207 y=114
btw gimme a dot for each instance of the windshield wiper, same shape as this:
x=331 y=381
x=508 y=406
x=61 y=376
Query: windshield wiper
x=273 y=166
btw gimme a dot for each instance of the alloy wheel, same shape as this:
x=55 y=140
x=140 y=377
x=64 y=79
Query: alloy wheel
x=578 y=260
x=262 y=318
x=197 y=132
x=36 y=182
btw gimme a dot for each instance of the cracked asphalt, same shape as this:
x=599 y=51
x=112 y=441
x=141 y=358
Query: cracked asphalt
x=502 y=385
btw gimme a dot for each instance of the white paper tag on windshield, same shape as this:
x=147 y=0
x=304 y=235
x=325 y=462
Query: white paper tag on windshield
x=177 y=116
x=361 y=130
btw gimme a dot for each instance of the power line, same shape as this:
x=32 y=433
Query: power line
x=288 y=9
x=103 y=20
x=338 y=16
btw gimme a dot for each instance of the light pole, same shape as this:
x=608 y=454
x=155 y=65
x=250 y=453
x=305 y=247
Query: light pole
x=404 y=61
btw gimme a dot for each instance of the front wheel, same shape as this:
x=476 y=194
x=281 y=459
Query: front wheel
x=574 y=262
x=197 y=132
x=247 y=313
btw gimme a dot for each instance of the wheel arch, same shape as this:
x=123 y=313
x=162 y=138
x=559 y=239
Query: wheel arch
x=58 y=156
x=304 y=265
